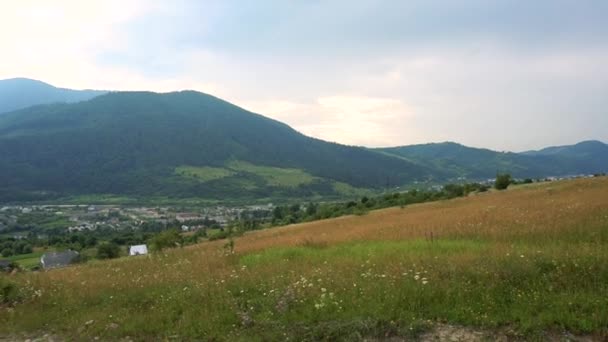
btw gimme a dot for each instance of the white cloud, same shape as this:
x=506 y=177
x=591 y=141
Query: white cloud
x=57 y=41
x=353 y=120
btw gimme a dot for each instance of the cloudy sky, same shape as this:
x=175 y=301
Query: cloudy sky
x=508 y=75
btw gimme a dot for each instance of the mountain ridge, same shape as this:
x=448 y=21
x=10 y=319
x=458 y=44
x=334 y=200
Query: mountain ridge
x=191 y=144
x=132 y=142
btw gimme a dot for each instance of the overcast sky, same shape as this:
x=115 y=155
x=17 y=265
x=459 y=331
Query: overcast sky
x=507 y=75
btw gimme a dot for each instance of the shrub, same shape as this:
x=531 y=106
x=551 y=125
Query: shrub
x=502 y=181
x=167 y=239
x=222 y=234
x=108 y=250
x=9 y=292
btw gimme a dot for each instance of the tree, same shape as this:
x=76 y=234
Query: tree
x=502 y=181
x=7 y=252
x=108 y=250
x=167 y=239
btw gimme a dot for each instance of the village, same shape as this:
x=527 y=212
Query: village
x=50 y=236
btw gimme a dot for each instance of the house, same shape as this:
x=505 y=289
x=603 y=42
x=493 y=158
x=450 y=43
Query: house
x=58 y=259
x=138 y=250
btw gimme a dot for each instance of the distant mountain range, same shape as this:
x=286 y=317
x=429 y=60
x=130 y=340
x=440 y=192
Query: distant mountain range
x=456 y=160
x=189 y=144
x=19 y=93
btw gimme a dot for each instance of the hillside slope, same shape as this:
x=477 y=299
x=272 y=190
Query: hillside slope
x=531 y=258
x=178 y=144
x=19 y=93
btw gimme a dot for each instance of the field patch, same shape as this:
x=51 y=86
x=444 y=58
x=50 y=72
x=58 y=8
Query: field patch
x=27 y=261
x=203 y=173
x=274 y=176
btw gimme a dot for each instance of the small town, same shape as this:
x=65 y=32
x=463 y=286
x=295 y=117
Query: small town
x=36 y=237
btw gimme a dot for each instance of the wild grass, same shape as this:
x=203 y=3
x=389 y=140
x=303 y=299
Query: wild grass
x=531 y=259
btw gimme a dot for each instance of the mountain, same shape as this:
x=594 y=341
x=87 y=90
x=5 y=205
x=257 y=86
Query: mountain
x=189 y=144
x=19 y=93
x=588 y=156
x=181 y=144
x=475 y=163
x=584 y=149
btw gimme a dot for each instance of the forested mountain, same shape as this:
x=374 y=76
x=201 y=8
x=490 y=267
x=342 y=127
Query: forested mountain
x=462 y=161
x=190 y=144
x=178 y=144
x=19 y=93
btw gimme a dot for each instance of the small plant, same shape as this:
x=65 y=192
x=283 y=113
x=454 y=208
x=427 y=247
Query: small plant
x=229 y=246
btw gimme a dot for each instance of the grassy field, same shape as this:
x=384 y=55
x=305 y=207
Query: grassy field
x=203 y=173
x=274 y=176
x=27 y=261
x=531 y=261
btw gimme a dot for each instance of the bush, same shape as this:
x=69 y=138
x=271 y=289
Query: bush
x=167 y=239
x=222 y=234
x=9 y=292
x=108 y=251
x=502 y=181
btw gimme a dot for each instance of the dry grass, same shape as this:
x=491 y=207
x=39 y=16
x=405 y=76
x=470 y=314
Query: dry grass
x=533 y=257
x=550 y=209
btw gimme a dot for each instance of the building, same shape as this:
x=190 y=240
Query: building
x=138 y=250
x=184 y=217
x=58 y=259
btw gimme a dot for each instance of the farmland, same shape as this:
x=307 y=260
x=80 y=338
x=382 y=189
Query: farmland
x=528 y=262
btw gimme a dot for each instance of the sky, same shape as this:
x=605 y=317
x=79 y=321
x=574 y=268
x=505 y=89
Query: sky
x=507 y=75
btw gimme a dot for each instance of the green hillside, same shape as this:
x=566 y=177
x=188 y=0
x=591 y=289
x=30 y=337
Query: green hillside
x=183 y=144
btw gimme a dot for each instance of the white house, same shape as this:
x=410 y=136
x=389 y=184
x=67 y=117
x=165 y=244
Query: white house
x=138 y=250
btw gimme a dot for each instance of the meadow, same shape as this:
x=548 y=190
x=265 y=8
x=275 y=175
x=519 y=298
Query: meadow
x=526 y=262
x=27 y=261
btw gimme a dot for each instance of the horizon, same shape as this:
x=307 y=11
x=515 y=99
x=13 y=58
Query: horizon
x=492 y=75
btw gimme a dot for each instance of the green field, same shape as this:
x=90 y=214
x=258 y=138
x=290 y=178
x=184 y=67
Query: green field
x=27 y=261
x=203 y=173
x=274 y=176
